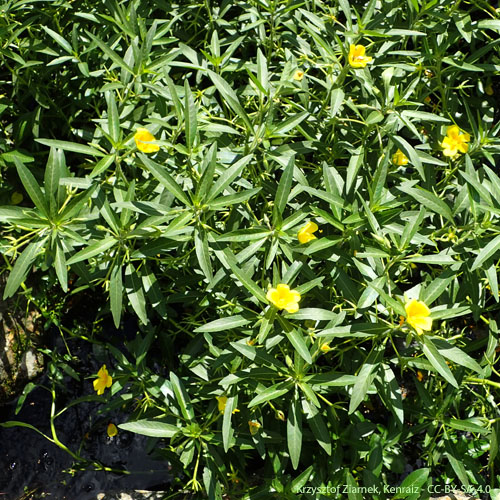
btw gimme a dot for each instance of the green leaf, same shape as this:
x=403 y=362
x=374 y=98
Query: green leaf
x=270 y=393
x=294 y=431
x=182 y=397
x=113 y=118
x=437 y=287
x=297 y=340
x=487 y=252
x=116 y=294
x=392 y=392
x=301 y=479
x=232 y=199
x=245 y=279
x=283 y=191
x=411 y=153
x=22 y=398
x=53 y=171
x=203 y=253
x=429 y=200
x=110 y=53
x=165 y=179
x=32 y=187
x=60 y=266
x=353 y=488
x=151 y=428
x=318 y=427
x=219 y=325
x=96 y=248
x=437 y=361
x=456 y=463
x=411 y=228
x=492 y=277
x=207 y=177
x=59 y=40
x=424 y=116
x=21 y=267
x=466 y=426
x=336 y=101
x=456 y=355
x=102 y=165
x=364 y=379
x=313 y=313
x=227 y=177
x=190 y=116
x=71 y=146
x=231 y=98
x=346 y=9
x=323 y=195
x=395 y=305
x=412 y=482
x=227 y=428
x=135 y=292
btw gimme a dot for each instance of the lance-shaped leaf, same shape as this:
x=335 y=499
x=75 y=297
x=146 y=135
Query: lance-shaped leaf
x=283 y=191
x=203 y=252
x=151 y=428
x=488 y=251
x=182 y=397
x=270 y=393
x=165 y=179
x=32 y=187
x=61 y=266
x=135 y=293
x=190 y=116
x=364 y=379
x=222 y=324
x=437 y=361
x=116 y=293
x=71 y=146
x=229 y=96
x=227 y=428
x=294 y=431
x=96 y=248
x=20 y=269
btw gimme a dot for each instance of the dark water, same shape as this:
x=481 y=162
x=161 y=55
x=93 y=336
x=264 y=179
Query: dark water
x=29 y=463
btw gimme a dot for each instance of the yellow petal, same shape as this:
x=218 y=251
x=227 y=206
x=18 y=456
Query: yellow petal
x=298 y=75
x=282 y=288
x=112 y=430
x=292 y=308
x=143 y=140
x=453 y=131
x=221 y=400
x=416 y=308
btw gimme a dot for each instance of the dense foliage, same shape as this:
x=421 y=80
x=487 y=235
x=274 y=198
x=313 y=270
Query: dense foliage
x=344 y=153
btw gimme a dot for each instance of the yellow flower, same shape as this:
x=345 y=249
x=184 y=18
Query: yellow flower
x=455 y=142
x=254 y=427
x=284 y=298
x=298 y=75
x=143 y=140
x=357 y=58
x=399 y=158
x=418 y=316
x=306 y=233
x=16 y=198
x=222 y=400
x=112 y=430
x=325 y=347
x=104 y=380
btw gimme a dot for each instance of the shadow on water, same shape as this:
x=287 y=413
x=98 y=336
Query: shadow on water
x=32 y=467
